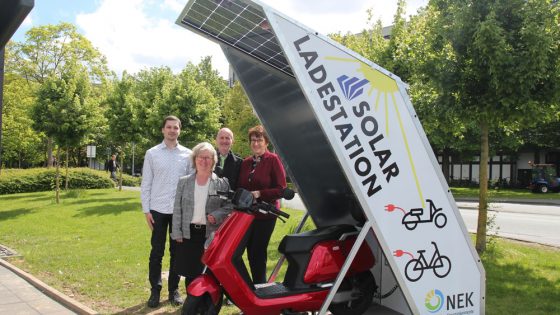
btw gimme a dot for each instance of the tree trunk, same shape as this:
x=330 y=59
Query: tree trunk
x=50 y=160
x=445 y=164
x=483 y=194
x=121 y=171
x=66 y=164
x=57 y=177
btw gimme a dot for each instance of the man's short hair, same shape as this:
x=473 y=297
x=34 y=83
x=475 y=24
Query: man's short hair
x=171 y=117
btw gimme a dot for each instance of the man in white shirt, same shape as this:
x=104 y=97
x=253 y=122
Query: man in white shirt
x=164 y=164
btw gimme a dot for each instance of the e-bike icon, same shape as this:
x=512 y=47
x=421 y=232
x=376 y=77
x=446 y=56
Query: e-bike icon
x=414 y=269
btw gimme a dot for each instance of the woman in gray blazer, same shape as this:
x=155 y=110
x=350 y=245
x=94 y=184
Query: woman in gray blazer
x=198 y=210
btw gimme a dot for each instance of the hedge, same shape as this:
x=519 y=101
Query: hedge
x=42 y=179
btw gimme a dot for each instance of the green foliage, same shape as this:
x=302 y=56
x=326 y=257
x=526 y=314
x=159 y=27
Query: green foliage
x=503 y=69
x=42 y=179
x=50 y=50
x=239 y=117
x=131 y=181
x=21 y=145
x=150 y=88
x=195 y=105
x=60 y=62
x=63 y=110
x=505 y=65
x=205 y=74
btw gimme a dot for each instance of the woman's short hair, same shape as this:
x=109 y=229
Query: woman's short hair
x=259 y=132
x=199 y=148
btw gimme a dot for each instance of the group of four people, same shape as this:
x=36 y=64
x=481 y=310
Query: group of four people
x=179 y=197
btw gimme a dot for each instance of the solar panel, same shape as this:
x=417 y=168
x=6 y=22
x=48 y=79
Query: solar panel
x=237 y=24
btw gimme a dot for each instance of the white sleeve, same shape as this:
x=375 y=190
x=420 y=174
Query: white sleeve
x=147 y=179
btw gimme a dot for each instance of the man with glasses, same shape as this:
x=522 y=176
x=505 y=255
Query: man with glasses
x=164 y=164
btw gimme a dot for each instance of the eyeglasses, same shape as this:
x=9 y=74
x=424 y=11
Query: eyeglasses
x=204 y=158
x=257 y=140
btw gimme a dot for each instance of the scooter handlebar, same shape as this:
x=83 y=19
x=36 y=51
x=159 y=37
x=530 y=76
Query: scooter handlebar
x=272 y=209
x=244 y=200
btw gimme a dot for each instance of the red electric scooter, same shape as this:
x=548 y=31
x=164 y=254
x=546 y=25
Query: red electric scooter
x=314 y=261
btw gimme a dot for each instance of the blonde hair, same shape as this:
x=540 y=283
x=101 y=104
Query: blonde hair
x=204 y=146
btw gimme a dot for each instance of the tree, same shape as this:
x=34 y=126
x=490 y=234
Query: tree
x=205 y=74
x=62 y=112
x=195 y=105
x=124 y=117
x=502 y=68
x=150 y=88
x=239 y=116
x=20 y=143
x=49 y=51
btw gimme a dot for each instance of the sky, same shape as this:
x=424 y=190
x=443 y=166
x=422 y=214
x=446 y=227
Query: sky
x=139 y=34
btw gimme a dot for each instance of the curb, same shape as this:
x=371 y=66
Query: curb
x=54 y=294
x=543 y=202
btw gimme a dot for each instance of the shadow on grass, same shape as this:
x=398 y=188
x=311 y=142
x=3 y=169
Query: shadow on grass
x=74 y=201
x=10 y=214
x=25 y=196
x=144 y=309
x=109 y=209
x=514 y=288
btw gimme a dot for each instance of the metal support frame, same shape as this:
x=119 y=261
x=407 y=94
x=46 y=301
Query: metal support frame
x=283 y=257
x=359 y=240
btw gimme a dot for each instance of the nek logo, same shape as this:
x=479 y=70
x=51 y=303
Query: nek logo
x=351 y=87
x=435 y=301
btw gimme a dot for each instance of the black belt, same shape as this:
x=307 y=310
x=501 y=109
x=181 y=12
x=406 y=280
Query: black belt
x=198 y=226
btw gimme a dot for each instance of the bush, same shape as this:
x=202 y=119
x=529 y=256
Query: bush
x=128 y=180
x=14 y=181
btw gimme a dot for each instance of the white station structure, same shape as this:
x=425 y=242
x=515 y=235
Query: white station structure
x=353 y=145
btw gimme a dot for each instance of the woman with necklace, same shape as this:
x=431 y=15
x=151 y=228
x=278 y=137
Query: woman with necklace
x=263 y=175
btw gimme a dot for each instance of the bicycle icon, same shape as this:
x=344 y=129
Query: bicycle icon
x=414 y=269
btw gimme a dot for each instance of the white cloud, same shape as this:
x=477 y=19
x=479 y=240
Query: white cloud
x=28 y=22
x=134 y=34
x=175 y=5
x=133 y=39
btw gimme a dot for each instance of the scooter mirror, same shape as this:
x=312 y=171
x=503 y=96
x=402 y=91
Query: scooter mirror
x=242 y=199
x=288 y=194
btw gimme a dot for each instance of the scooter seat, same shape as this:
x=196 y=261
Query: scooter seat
x=304 y=242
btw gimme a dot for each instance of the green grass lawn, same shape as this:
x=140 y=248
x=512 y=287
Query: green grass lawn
x=497 y=194
x=94 y=246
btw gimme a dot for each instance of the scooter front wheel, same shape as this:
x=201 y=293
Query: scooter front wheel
x=201 y=305
x=364 y=286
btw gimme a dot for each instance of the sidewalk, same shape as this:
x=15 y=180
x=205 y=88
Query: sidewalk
x=21 y=293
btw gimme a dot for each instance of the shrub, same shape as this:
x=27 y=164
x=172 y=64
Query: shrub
x=128 y=180
x=15 y=181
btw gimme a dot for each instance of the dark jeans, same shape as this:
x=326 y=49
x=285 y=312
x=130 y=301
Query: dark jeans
x=257 y=248
x=162 y=228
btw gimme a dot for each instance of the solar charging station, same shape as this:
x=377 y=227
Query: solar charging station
x=352 y=143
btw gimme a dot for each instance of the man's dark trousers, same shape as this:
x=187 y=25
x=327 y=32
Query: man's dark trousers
x=162 y=228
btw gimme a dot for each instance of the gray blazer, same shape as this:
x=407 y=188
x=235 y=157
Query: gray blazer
x=183 y=208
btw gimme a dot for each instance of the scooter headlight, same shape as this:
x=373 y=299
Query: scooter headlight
x=209 y=240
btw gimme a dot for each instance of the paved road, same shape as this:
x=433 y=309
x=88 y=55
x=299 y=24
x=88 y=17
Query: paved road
x=531 y=223
x=526 y=222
